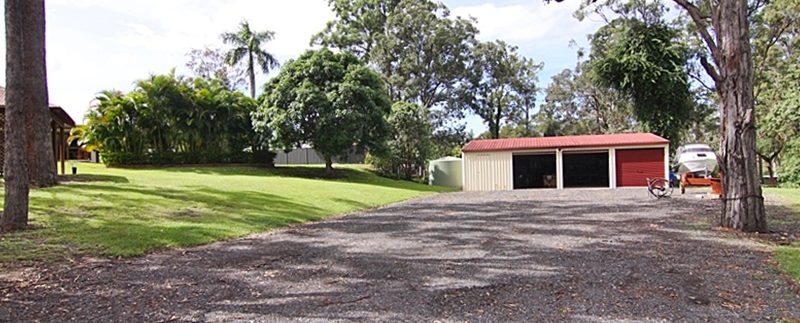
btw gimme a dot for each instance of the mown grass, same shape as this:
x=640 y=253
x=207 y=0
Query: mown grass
x=129 y=212
x=788 y=257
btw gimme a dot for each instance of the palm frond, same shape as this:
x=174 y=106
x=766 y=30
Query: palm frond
x=266 y=61
x=233 y=39
x=235 y=55
x=264 y=36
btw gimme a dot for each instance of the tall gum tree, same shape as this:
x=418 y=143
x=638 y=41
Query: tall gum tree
x=26 y=97
x=724 y=29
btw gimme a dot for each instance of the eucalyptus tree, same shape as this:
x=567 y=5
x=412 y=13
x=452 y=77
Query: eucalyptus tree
x=31 y=47
x=723 y=29
x=331 y=101
x=524 y=84
x=501 y=85
x=420 y=50
x=27 y=113
x=210 y=63
x=247 y=49
x=776 y=54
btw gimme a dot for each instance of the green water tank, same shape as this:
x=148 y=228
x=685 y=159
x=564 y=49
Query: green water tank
x=446 y=172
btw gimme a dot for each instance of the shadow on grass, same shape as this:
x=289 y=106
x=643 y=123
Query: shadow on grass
x=131 y=220
x=347 y=174
x=472 y=258
x=87 y=178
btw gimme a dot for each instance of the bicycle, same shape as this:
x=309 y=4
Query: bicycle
x=659 y=187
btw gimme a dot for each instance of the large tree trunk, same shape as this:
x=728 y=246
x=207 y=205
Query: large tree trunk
x=743 y=203
x=21 y=94
x=41 y=161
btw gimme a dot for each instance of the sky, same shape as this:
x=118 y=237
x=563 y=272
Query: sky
x=95 y=45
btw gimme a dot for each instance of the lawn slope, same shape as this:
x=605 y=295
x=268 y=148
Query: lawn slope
x=788 y=256
x=128 y=212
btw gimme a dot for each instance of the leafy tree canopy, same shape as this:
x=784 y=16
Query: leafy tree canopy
x=420 y=51
x=409 y=144
x=331 y=101
x=501 y=85
x=644 y=62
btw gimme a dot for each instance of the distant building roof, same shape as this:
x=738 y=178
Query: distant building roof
x=58 y=113
x=609 y=140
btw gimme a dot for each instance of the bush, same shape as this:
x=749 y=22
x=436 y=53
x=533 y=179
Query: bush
x=184 y=158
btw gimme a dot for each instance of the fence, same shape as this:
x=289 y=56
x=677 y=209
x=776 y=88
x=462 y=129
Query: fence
x=307 y=156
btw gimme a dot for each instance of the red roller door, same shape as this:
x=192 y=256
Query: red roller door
x=634 y=166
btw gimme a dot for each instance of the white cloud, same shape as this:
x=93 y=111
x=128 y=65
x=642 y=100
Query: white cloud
x=93 y=45
x=531 y=21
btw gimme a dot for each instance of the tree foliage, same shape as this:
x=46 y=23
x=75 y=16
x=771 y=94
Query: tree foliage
x=331 y=101
x=170 y=119
x=210 y=63
x=419 y=49
x=721 y=30
x=644 y=62
x=409 y=144
x=500 y=87
x=576 y=104
x=776 y=53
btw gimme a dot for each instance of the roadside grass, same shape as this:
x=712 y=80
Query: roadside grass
x=124 y=212
x=788 y=257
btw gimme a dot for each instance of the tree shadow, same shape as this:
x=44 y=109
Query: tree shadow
x=517 y=256
x=344 y=173
x=87 y=178
x=203 y=215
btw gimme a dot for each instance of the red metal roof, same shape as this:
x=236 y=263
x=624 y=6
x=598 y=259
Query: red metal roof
x=609 y=140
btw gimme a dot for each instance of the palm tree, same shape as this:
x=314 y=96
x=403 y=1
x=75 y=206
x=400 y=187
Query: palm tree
x=247 y=46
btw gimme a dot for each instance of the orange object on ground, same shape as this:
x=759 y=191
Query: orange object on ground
x=690 y=180
x=716 y=186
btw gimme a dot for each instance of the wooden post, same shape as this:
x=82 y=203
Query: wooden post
x=54 y=135
x=62 y=142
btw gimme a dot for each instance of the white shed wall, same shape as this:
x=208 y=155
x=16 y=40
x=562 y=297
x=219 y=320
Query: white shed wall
x=488 y=171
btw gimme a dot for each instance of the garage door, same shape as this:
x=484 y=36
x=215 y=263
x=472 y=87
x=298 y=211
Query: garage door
x=586 y=169
x=634 y=166
x=534 y=171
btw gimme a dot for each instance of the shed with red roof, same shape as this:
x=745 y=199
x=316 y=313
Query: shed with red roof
x=610 y=160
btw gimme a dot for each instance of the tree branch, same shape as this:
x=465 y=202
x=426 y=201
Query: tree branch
x=702 y=29
x=712 y=72
x=700 y=80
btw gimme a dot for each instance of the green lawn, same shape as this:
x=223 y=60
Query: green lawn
x=789 y=256
x=128 y=212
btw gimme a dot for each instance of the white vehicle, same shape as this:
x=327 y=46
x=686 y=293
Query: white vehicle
x=695 y=158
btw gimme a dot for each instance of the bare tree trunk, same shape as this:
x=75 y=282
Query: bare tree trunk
x=728 y=42
x=20 y=95
x=743 y=203
x=41 y=161
x=328 y=166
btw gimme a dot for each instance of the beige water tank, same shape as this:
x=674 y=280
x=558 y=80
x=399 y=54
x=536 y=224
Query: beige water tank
x=446 y=171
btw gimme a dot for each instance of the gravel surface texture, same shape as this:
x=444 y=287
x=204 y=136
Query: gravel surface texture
x=574 y=255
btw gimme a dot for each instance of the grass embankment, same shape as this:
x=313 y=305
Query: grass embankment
x=128 y=212
x=788 y=257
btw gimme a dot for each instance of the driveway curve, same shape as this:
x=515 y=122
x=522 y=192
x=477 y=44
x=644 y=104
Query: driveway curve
x=574 y=255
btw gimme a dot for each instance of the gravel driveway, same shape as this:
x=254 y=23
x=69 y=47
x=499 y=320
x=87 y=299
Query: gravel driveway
x=579 y=255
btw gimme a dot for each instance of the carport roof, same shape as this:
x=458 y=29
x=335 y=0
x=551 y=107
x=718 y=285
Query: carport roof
x=609 y=140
